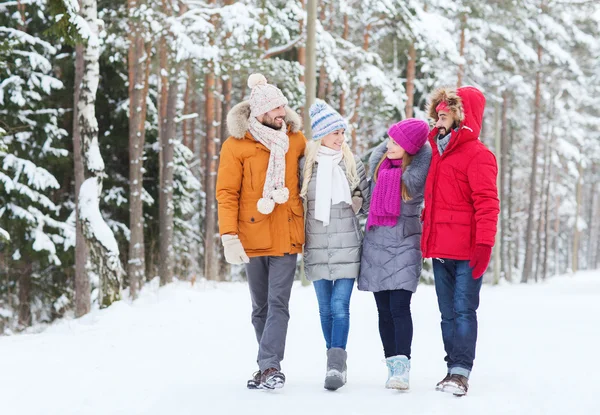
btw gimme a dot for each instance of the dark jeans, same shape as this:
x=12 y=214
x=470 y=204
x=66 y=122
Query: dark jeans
x=270 y=279
x=334 y=310
x=395 y=321
x=458 y=300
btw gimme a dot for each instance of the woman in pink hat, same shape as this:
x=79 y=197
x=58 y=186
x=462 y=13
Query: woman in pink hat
x=391 y=258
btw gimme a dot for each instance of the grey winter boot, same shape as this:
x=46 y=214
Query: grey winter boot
x=336 y=368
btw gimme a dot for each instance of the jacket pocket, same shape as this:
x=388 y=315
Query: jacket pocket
x=453 y=230
x=254 y=230
x=297 y=223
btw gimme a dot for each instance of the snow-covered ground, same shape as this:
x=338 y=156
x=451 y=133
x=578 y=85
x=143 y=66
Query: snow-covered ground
x=184 y=350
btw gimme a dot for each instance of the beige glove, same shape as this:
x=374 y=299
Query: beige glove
x=357 y=202
x=234 y=251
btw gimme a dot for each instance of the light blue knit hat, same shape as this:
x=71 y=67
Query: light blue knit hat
x=325 y=120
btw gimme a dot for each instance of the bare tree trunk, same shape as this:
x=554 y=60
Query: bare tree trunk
x=591 y=237
x=461 y=67
x=323 y=81
x=166 y=186
x=342 y=108
x=597 y=254
x=410 y=79
x=528 y=262
x=547 y=212
x=556 y=236
x=25 y=270
x=541 y=219
x=512 y=256
x=226 y=105
x=104 y=250
x=504 y=149
x=355 y=115
x=302 y=48
x=185 y=125
x=576 y=230
x=514 y=229
x=211 y=258
x=82 y=279
x=139 y=71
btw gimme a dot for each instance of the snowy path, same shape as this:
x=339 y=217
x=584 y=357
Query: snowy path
x=180 y=350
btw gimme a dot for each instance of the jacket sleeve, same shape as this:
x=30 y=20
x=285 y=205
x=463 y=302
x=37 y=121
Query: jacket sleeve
x=416 y=174
x=482 y=173
x=363 y=186
x=229 y=184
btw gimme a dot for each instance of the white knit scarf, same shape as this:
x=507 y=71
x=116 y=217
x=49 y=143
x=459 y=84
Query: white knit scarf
x=278 y=143
x=332 y=183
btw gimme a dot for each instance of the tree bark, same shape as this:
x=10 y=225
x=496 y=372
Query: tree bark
x=576 y=230
x=591 y=236
x=342 y=109
x=528 y=262
x=211 y=259
x=547 y=210
x=355 y=115
x=25 y=269
x=302 y=48
x=541 y=209
x=410 y=79
x=166 y=208
x=104 y=250
x=504 y=150
x=139 y=71
x=82 y=279
x=461 y=67
x=513 y=252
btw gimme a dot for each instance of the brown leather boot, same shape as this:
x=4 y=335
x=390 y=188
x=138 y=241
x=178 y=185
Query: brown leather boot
x=458 y=385
x=441 y=383
x=272 y=379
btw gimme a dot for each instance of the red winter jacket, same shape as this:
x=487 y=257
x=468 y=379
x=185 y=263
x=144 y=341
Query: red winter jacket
x=461 y=197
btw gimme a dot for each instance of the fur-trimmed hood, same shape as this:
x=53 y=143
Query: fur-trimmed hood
x=453 y=100
x=239 y=117
x=468 y=103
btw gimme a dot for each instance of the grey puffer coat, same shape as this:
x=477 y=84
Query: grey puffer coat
x=333 y=252
x=391 y=256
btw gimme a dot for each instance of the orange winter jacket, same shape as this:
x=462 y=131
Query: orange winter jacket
x=240 y=180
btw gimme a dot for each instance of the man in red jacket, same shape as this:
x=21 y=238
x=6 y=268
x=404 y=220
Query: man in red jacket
x=459 y=223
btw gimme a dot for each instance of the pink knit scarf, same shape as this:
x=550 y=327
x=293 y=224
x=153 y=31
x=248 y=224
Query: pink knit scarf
x=385 y=201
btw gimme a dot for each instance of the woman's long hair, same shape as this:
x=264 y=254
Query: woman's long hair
x=406 y=160
x=310 y=156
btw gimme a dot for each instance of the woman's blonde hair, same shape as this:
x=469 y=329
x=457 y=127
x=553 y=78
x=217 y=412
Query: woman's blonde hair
x=406 y=160
x=310 y=156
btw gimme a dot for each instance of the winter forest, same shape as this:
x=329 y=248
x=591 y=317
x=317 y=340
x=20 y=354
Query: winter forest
x=112 y=115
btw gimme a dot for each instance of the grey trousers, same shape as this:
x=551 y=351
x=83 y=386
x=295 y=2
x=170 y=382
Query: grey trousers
x=270 y=279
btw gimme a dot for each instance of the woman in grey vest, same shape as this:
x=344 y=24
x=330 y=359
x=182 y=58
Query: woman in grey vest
x=391 y=256
x=334 y=189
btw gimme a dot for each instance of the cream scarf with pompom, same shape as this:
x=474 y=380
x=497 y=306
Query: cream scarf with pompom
x=278 y=143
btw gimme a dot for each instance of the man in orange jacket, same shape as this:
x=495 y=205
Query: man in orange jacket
x=261 y=218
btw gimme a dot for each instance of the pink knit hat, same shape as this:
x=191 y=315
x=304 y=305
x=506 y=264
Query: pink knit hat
x=410 y=134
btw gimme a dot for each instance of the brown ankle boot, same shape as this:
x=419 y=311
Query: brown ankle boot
x=441 y=383
x=457 y=385
x=272 y=379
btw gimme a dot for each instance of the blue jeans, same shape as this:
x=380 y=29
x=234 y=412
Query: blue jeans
x=395 y=322
x=334 y=310
x=458 y=300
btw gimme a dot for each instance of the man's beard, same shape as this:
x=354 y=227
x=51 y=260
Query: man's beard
x=270 y=122
x=442 y=132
